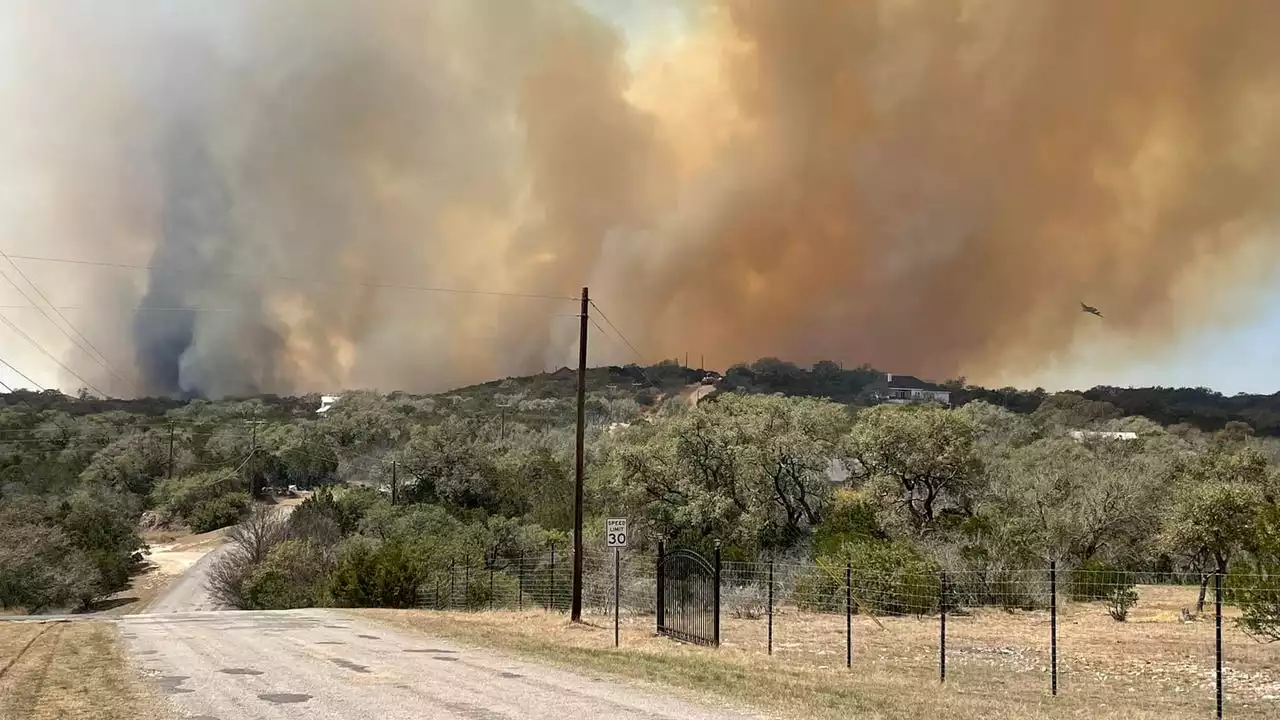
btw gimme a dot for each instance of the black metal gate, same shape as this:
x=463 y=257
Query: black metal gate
x=689 y=596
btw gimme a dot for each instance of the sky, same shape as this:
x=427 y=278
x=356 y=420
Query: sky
x=1240 y=354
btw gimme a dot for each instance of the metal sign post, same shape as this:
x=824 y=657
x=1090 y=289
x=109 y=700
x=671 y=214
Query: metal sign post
x=615 y=535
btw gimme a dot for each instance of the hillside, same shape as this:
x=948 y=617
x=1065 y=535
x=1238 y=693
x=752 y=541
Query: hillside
x=548 y=398
x=1201 y=408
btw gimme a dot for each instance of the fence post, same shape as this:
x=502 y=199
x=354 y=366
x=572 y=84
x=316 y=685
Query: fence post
x=1053 y=626
x=848 y=615
x=942 y=629
x=771 y=607
x=551 y=596
x=716 y=618
x=662 y=608
x=1217 y=630
x=437 y=592
x=452 y=575
x=466 y=584
x=491 y=588
x=617 y=591
x=520 y=584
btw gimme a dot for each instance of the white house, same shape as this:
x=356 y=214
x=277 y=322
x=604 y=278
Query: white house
x=907 y=389
x=1082 y=435
x=327 y=402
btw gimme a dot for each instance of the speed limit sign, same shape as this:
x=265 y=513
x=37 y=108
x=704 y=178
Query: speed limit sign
x=615 y=532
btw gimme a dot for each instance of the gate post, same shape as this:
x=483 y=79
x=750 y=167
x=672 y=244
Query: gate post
x=662 y=609
x=716 y=622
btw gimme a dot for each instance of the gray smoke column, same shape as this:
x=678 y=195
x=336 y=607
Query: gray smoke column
x=930 y=186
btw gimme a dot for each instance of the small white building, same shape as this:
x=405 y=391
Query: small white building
x=327 y=402
x=1082 y=435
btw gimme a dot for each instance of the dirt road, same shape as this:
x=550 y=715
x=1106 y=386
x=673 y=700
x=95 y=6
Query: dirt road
x=318 y=664
x=188 y=592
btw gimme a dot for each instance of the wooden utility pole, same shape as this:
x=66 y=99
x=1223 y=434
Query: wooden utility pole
x=575 y=613
x=394 y=493
x=253 y=450
x=169 y=469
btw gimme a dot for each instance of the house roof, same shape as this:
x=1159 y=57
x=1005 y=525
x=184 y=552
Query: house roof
x=910 y=382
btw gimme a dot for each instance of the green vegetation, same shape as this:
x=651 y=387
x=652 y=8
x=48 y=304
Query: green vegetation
x=778 y=462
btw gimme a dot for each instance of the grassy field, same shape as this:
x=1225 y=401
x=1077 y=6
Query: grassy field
x=1153 y=666
x=70 y=670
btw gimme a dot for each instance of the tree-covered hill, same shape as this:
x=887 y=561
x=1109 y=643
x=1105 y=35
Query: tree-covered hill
x=997 y=483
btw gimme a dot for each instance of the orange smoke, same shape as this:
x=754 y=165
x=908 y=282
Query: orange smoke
x=929 y=186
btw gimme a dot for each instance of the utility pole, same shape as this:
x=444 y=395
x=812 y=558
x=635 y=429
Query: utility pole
x=253 y=450
x=575 y=613
x=393 y=483
x=169 y=470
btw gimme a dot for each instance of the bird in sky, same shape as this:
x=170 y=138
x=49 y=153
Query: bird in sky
x=1090 y=309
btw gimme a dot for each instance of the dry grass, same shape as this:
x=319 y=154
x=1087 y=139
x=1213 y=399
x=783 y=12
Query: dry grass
x=70 y=670
x=1153 y=666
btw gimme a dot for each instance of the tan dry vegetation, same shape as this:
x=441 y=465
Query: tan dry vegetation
x=1153 y=666
x=70 y=670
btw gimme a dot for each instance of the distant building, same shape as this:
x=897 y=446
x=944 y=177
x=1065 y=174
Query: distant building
x=327 y=402
x=1082 y=435
x=908 y=389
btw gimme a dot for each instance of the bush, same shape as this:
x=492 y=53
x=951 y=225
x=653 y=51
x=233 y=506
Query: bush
x=1258 y=597
x=372 y=574
x=227 y=578
x=503 y=592
x=889 y=578
x=40 y=569
x=219 y=512
x=851 y=518
x=1095 y=580
x=206 y=501
x=1122 y=598
x=817 y=590
x=294 y=575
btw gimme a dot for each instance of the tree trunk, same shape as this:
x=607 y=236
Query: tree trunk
x=1204 y=586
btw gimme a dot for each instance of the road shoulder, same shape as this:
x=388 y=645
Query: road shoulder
x=71 y=670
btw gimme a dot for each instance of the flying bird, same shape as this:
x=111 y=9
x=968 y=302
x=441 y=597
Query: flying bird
x=1090 y=309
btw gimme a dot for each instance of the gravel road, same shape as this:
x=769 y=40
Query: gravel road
x=322 y=665
x=188 y=592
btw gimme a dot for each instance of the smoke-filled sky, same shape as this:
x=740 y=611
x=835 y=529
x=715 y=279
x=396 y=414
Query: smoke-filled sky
x=928 y=186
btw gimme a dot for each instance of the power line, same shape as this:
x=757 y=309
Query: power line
x=104 y=362
x=295 y=278
x=638 y=354
x=21 y=374
x=49 y=355
x=168 y=308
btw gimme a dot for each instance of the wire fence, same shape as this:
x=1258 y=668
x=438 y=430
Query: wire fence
x=1194 y=639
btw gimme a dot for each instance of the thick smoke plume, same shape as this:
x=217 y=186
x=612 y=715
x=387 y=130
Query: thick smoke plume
x=929 y=186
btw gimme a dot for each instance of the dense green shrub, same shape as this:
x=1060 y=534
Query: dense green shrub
x=851 y=518
x=219 y=511
x=206 y=501
x=376 y=574
x=888 y=578
x=295 y=574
